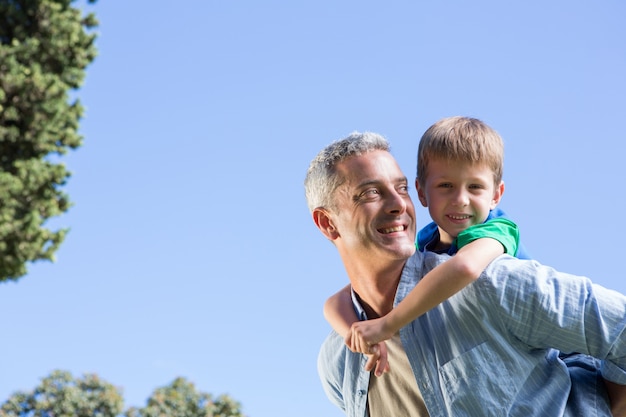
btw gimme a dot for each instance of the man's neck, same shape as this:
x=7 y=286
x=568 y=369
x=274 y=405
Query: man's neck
x=376 y=290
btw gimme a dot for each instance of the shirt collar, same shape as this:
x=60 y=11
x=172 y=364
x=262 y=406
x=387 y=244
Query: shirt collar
x=358 y=309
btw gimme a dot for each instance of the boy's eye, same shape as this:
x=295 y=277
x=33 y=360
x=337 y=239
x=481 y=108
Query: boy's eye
x=444 y=185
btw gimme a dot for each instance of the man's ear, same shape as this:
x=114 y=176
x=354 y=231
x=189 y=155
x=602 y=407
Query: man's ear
x=497 y=195
x=420 y=194
x=323 y=221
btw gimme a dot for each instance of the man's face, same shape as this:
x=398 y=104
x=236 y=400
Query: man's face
x=458 y=195
x=374 y=216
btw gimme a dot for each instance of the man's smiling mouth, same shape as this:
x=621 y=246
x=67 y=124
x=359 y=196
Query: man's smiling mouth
x=393 y=229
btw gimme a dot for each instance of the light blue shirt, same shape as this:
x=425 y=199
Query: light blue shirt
x=490 y=349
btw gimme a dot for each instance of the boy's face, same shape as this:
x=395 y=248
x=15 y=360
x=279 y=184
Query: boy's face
x=458 y=195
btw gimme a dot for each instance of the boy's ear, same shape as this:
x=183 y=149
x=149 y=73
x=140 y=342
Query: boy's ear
x=497 y=195
x=323 y=221
x=420 y=194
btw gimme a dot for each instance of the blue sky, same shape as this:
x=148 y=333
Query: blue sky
x=192 y=252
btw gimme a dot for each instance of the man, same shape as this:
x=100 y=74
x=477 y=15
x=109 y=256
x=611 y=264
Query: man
x=491 y=350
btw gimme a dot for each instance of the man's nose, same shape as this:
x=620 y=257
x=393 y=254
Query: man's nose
x=396 y=203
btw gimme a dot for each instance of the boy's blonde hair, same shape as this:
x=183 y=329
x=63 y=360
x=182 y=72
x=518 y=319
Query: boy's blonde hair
x=461 y=139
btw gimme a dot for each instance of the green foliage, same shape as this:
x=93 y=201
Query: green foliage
x=45 y=46
x=60 y=395
x=180 y=399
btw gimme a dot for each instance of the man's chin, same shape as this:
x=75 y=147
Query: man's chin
x=404 y=252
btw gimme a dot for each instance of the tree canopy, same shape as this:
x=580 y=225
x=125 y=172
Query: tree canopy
x=181 y=399
x=62 y=395
x=45 y=46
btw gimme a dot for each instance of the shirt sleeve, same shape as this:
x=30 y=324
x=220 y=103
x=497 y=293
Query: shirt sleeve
x=503 y=230
x=330 y=369
x=546 y=308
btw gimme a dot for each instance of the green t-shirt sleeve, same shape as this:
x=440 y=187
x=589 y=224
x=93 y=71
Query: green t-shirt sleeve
x=500 y=229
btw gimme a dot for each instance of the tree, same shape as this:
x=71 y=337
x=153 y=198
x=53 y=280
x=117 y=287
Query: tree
x=60 y=395
x=180 y=399
x=45 y=46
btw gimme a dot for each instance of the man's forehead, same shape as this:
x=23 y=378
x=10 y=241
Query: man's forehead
x=374 y=158
x=370 y=168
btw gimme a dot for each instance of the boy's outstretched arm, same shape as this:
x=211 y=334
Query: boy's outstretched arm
x=339 y=312
x=438 y=285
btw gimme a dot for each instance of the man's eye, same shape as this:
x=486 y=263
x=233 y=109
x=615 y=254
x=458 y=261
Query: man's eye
x=370 y=192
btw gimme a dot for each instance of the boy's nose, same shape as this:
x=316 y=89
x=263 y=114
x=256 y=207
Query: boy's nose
x=461 y=198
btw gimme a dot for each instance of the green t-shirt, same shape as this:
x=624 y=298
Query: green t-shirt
x=500 y=229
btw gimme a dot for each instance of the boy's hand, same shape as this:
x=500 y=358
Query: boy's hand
x=377 y=358
x=364 y=334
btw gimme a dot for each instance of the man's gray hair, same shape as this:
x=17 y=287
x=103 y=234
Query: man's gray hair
x=321 y=178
